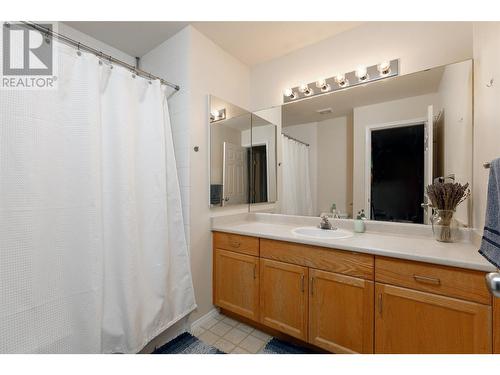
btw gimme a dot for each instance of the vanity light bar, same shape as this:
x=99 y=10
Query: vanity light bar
x=357 y=77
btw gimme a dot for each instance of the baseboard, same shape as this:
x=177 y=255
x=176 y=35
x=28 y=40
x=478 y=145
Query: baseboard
x=209 y=315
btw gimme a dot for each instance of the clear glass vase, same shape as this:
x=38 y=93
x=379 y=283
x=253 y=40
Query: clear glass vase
x=445 y=226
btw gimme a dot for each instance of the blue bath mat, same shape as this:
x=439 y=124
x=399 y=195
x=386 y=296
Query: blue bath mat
x=277 y=346
x=187 y=344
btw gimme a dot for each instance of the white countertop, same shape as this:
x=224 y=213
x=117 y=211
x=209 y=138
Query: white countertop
x=408 y=246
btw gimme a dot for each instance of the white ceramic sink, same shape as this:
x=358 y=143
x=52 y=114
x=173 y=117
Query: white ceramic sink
x=324 y=234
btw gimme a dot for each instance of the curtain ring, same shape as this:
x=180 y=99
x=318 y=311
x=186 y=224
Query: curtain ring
x=78 y=52
x=47 y=37
x=110 y=62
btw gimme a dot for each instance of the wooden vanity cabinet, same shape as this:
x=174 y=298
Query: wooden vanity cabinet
x=413 y=322
x=348 y=302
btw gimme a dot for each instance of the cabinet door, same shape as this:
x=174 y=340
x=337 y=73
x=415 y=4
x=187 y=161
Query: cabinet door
x=236 y=283
x=408 y=321
x=283 y=297
x=340 y=312
x=496 y=325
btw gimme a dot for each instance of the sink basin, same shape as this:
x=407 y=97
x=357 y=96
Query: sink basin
x=324 y=234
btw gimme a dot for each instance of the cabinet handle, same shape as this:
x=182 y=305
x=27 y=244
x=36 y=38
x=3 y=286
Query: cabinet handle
x=380 y=303
x=235 y=244
x=427 y=280
x=254 y=271
x=312 y=286
x=302 y=284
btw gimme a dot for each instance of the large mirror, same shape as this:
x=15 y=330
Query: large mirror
x=375 y=147
x=242 y=156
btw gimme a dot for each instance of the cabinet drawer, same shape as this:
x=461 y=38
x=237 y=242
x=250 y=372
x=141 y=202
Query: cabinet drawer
x=339 y=261
x=235 y=242
x=447 y=281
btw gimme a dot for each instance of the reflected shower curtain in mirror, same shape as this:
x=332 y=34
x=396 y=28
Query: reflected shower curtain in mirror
x=93 y=256
x=296 y=195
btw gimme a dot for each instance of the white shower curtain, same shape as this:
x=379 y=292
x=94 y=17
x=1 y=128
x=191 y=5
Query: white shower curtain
x=296 y=195
x=93 y=256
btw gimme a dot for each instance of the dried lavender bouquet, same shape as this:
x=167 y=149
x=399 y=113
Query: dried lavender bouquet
x=445 y=197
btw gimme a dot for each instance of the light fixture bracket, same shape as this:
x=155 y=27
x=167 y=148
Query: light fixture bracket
x=221 y=116
x=351 y=80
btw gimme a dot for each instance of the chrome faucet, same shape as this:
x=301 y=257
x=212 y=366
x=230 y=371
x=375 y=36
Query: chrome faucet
x=325 y=223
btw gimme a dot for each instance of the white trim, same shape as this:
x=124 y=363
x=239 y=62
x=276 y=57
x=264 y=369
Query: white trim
x=209 y=315
x=368 y=152
x=223 y=195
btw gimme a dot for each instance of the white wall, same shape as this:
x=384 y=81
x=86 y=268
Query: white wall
x=201 y=68
x=335 y=157
x=486 y=111
x=455 y=96
x=419 y=45
x=387 y=112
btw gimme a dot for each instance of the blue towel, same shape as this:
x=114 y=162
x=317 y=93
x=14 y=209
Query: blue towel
x=490 y=245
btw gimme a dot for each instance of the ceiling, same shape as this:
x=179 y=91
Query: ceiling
x=257 y=42
x=250 y=42
x=343 y=102
x=133 y=38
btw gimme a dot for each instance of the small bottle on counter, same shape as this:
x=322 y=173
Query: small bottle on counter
x=359 y=222
x=334 y=210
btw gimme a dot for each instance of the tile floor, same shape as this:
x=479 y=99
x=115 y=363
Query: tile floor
x=231 y=336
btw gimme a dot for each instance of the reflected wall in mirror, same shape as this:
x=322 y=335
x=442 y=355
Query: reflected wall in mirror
x=375 y=147
x=242 y=156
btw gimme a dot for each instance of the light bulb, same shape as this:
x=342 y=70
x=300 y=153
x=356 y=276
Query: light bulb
x=289 y=93
x=384 y=68
x=305 y=89
x=341 y=80
x=320 y=83
x=361 y=73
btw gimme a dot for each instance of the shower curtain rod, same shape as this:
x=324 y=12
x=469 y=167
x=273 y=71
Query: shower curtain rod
x=98 y=53
x=295 y=139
